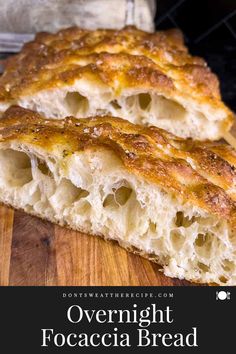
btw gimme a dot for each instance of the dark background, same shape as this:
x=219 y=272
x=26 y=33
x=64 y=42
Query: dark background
x=26 y=310
x=209 y=27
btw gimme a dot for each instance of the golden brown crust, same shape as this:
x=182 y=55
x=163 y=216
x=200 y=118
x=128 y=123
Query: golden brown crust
x=194 y=171
x=120 y=59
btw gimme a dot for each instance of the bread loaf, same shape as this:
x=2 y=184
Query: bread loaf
x=168 y=199
x=147 y=78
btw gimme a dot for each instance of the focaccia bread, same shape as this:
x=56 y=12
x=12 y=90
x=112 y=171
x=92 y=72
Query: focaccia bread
x=168 y=199
x=147 y=78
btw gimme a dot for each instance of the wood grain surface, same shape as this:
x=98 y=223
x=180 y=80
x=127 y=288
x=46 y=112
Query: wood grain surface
x=36 y=252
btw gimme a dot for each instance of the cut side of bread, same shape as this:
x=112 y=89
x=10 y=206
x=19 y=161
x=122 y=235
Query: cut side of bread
x=149 y=79
x=169 y=199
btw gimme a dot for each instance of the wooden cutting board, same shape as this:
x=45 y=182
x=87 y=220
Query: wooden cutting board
x=36 y=252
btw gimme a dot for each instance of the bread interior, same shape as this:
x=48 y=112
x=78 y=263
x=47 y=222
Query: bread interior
x=92 y=192
x=84 y=99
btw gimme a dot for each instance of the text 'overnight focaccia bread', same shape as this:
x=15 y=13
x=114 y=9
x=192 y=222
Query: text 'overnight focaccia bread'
x=147 y=78
x=169 y=199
